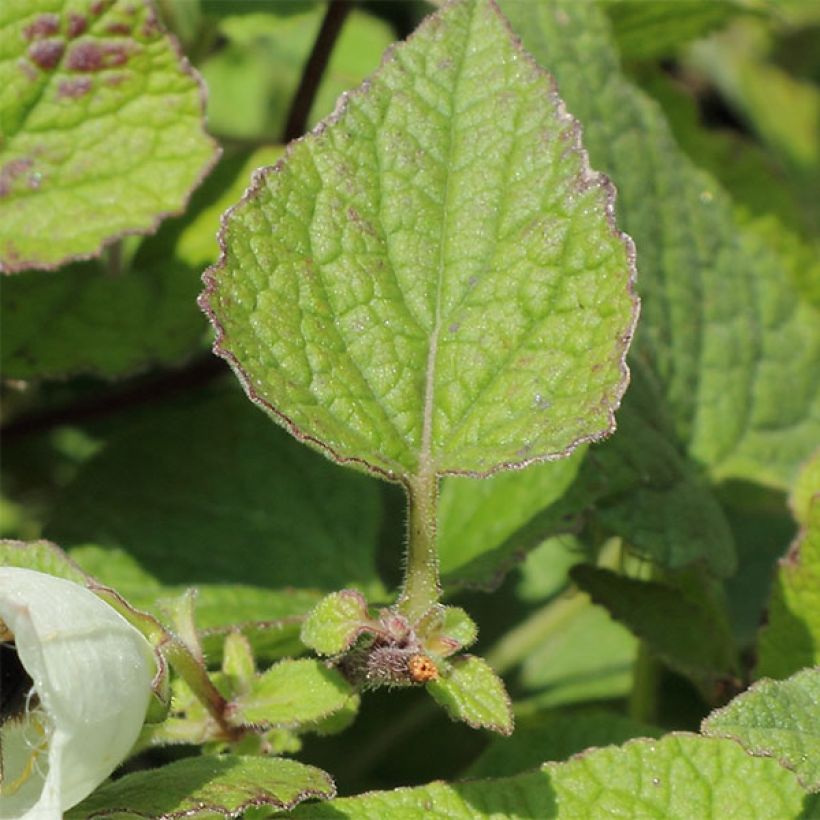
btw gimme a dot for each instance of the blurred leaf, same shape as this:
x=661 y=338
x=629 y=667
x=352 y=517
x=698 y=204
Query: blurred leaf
x=556 y=736
x=783 y=109
x=253 y=77
x=790 y=640
x=206 y=491
x=679 y=776
x=207 y=786
x=291 y=693
x=680 y=628
x=478 y=520
x=806 y=489
x=730 y=343
x=778 y=719
x=647 y=29
x=417 y=307
x=102 y=128
x=580 y=654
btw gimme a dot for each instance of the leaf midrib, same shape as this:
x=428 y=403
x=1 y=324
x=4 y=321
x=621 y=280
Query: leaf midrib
x=426 y=465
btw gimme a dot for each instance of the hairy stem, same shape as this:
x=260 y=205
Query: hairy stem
x=421 y=588
x=334 y=18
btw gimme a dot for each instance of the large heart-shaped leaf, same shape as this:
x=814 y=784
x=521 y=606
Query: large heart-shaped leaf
x=431 y=281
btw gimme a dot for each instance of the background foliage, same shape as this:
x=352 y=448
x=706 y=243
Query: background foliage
x=631 y=580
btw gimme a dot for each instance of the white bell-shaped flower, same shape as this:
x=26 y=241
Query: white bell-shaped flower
x=76 y=683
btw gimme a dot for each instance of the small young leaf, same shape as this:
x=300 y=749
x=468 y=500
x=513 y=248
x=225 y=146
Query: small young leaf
x=334 y=623
x=102 y=128
x=238 y=664
x=291 y=693
x=398 y=292
x=220 y=786
x=779 y=719
x=471 y=692
x=681 y=629
x=454 y=631
x=680 y=776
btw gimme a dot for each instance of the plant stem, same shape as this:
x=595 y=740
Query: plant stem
x=643 y=700
x=337 y=11
x=421 y=588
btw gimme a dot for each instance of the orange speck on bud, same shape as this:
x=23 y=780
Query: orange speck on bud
x=422 y=669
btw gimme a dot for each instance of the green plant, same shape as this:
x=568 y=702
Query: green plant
x=430 y=289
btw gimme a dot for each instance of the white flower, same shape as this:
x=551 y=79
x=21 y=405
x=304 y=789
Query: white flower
x=84 y=678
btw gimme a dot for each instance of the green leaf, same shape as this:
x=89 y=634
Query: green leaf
x=556 y=736
x=646 y=29
x=679 y=776
x=806 y=490
x=479 y=522
x=635 y=485
x=270 y=619
x=42 y=556
x=335 y=622
x=254 y=75
x=207 y=786
x=791 y=638
x=102 y=121
x=724 y=331
x=682 y=629
x=406 y=299
x=456 y=630
x=778 y=719
x=292 y=693
x=471 y=692
x=96 y=318
x=782 y=108
x=204 y=491
x=559 y=667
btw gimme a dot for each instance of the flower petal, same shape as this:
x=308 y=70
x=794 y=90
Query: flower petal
x=92 y=672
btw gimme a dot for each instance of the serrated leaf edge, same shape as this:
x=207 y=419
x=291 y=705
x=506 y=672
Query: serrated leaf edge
x=589 y=178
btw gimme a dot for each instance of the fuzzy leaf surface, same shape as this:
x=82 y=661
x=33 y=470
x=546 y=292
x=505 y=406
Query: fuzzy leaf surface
x=471 y=692
x=332 y=625
x=101 y=119
x=398 y=292
x=291 y=693
x=207 y=786
x=678 y=776
x=779 y=719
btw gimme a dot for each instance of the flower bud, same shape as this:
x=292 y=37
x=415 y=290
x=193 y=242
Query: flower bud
x=76 y=681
